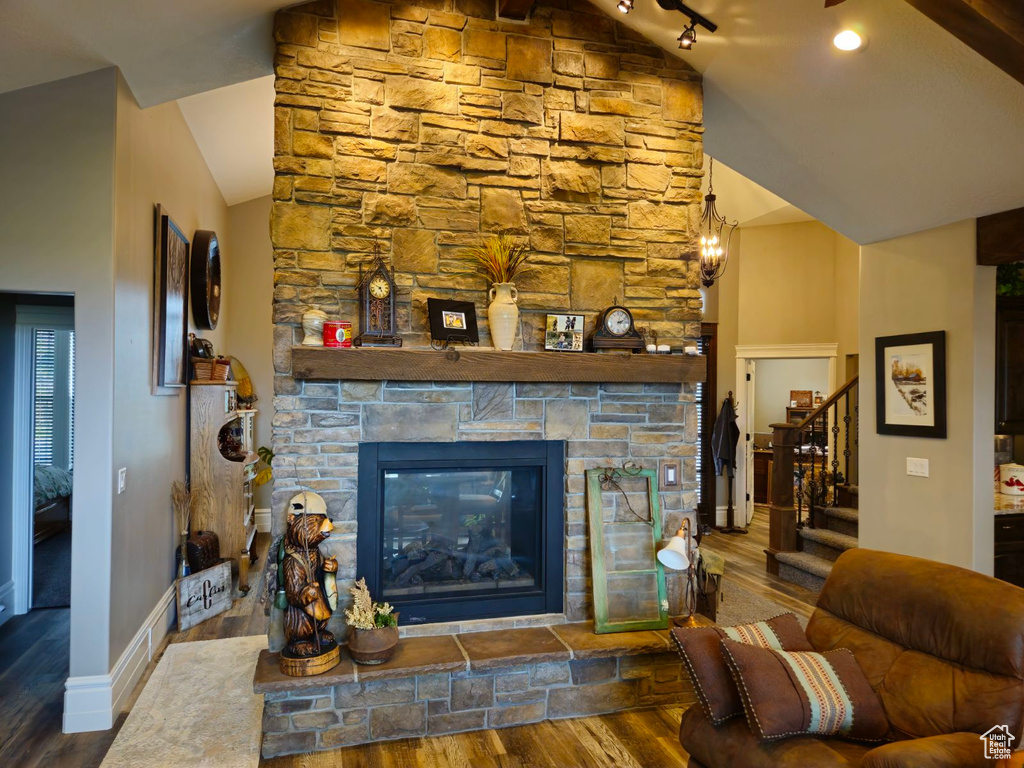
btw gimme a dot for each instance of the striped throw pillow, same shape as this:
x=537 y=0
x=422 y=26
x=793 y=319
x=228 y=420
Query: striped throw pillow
x=788 y=694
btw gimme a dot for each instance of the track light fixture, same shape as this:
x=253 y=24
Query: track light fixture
x=689 y=37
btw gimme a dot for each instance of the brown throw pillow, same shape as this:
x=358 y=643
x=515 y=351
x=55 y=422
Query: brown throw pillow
x=805 y=694
x=701 y=649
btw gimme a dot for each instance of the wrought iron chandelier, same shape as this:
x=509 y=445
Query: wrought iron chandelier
x=688 y=38
x=715 y=234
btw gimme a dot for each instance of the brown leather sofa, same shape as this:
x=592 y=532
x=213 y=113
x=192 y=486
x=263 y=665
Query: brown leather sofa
x=943 y=648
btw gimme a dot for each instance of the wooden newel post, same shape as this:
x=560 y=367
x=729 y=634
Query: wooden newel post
x=781 y=512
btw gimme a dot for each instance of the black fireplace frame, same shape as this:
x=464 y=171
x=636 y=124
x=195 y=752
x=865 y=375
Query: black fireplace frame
x=547 y=455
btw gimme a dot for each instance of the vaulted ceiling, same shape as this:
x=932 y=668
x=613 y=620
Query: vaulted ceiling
x=914 y=131
x=165 y=48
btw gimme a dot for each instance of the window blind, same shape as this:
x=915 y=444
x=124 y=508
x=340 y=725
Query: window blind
x=53 y=379
x=71 y=400
x=45 y=357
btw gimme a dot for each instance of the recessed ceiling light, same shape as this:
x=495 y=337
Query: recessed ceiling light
x=848 y=40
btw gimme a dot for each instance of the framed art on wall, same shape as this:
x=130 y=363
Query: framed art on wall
x=910 y=384
x=801 y=398
x=170 y=310
x=564 y=333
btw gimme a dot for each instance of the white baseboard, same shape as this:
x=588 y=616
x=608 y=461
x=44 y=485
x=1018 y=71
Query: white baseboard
x=7 y=601
x=263 y=520
x=93 y=703
x=722 y=516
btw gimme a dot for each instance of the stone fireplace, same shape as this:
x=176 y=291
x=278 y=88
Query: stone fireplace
x=425 y=126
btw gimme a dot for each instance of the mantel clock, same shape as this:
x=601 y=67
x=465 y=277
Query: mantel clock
x=616 y=331
x=377 y=305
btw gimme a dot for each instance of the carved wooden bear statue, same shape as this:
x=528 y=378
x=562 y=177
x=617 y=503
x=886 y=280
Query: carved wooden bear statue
x=309 y=581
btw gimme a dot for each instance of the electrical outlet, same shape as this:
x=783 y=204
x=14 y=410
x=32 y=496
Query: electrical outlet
x=122 y=479
x=917 y=467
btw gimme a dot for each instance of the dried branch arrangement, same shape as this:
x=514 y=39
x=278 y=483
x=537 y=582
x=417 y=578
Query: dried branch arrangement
x=501 y=258
x=182 y=501
x=366 y=614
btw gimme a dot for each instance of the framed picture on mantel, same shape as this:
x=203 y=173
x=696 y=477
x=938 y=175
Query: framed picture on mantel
x=910 y=384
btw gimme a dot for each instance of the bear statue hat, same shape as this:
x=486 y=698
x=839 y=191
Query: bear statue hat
x=307 y=503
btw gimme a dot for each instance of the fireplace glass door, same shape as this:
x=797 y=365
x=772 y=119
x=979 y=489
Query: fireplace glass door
x=461 y=531
x=456 y=531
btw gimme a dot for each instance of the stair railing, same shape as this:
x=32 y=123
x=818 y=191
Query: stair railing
x=807 y=470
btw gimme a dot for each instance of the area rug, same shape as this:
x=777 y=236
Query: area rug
x=741 y=606
x=198 y=709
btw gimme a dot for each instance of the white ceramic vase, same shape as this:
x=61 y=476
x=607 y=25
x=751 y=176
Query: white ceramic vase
x=503 y=315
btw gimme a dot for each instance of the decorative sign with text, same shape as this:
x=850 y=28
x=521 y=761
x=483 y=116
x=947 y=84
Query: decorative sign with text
x=203 y=595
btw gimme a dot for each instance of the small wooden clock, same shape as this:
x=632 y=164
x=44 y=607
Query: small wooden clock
x=377 y=305
x=617 y=331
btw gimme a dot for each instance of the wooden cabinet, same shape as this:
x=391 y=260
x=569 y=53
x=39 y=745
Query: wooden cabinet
x=1009 y=366
x=796 y=415
x=1009 y=562
x=223 y=467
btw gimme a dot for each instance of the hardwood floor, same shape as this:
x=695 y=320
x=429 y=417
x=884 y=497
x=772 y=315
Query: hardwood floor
x=34 y=666
x=745 y=566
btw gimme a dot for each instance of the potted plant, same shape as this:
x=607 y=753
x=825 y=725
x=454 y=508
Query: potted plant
x=266 y=469
x=374 y=635
x=502 y=258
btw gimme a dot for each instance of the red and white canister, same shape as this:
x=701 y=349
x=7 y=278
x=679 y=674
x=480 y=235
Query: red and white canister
x=337 y=333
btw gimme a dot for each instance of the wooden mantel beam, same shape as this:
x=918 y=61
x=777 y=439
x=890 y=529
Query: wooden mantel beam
x=480 y=364
x=1001 y=238
x=515 y=9
x=993 y=28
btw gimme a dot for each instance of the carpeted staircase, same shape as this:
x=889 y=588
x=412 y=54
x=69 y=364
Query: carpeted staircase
x=835 y=532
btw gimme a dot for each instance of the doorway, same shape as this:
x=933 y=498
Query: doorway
x=804 y=366
x=42 y=449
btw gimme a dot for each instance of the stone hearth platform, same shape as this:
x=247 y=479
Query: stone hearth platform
x=464 y=682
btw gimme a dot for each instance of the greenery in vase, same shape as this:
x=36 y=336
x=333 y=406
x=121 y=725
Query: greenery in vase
x=366 y=614
x=501 y=258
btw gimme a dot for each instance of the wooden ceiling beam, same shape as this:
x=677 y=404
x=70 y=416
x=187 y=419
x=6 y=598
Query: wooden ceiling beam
x=515 y=9
x=1001 y=238
x=993 y=28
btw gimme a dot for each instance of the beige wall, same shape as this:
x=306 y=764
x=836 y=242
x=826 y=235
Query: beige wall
x=787 y=278
x=81 y=167
x=846 y=296
x=157 y=162
x=249 y=286
x=927 y=282
x=56 y=236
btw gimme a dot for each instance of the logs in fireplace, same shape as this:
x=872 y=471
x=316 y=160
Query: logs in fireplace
x=451 y=531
